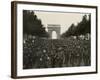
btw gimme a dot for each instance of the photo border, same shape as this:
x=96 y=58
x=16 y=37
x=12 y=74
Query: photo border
x=14 y=37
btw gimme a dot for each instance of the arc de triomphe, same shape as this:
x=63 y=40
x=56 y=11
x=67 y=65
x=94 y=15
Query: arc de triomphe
x=54 y=27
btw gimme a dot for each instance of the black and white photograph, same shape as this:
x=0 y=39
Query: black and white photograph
x=53 y=39
x=56 y=39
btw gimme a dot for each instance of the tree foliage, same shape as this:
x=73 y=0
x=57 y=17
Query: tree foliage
x=82 y=28
x=32 y=25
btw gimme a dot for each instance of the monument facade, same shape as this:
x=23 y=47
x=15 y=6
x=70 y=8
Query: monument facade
x=54 y=27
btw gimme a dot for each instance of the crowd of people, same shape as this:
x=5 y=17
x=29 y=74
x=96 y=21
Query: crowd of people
x=53 y=53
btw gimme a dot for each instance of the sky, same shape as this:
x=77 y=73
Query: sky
x=60 y=18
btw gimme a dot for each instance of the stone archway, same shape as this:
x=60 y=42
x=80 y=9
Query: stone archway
x=53 y=27
x=54 y=35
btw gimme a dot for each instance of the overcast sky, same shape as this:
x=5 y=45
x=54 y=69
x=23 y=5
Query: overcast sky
x=62 y=19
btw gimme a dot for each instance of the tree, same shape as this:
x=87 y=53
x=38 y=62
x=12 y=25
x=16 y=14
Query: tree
x=70 y=31
x=32 y=25
x=82 y=28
